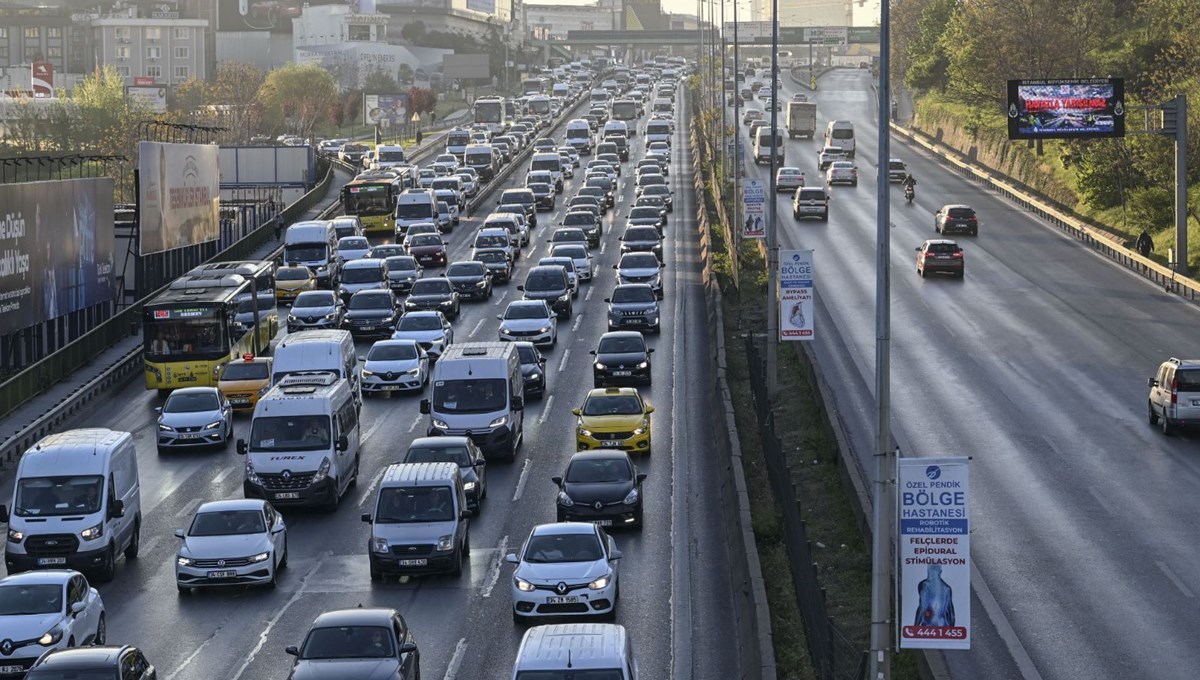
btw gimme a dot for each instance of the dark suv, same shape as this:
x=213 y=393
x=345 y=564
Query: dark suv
x=527 y=200
x=633 y=305
x=621 y=357
x=940 y=256
x=952 y=218
x=125 y=662
x=549 y=283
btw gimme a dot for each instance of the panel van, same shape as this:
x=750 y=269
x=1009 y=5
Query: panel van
x=76 y=504
x=413 y=206
x=313 y=244
x=478 y=391
x=583 y=650
x=326 y=349
x=420 y=521
x=840 y=133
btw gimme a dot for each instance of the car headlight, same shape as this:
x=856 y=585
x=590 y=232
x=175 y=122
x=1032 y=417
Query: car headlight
x=440 y=425
x=413 y=371
x=366 y=374
x=261 y=557
x=53 y=637
x=213 y=425
x=599 y=366
x=445 y=303
x=165 y=428
x=322 y=471
x=639 y=432
x=92 y=533
x=445 y=543
x=499 y=422
x=601 y=582
x=632 y=497
x=184 y=561
x=330 y=316
x=565 y=500
x=251 y=474
x=583 y=431
x=469 y=486
x=565 y=296
x=522 y=585
x=481 y=284
x=644 y=364
x=544 y=329
x=15 y=536
x=380 y=545
x=292 y=317
x=263 y=390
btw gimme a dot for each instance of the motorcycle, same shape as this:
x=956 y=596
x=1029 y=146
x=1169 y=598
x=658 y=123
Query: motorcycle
x=909 y=193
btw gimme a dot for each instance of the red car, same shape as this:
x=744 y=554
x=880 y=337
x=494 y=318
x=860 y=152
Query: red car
x=940 y=256
x=428 y=249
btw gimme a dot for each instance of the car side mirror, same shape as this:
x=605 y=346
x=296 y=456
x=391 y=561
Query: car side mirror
x=1151 y=382
x=116 y=508
x=615 y=554
x=179 y=533
x=518 y=403
x=650 y=350
x=158 y=410
x=615 y=267
x=292 y=650
x=78 y=607
x=649 y=409
x=425 y=406
x=662 y=265
x=641 y=477
x=918 y=249
x=343 y=443
x=463 y=514
x=362 y=358
x=557 y=480
x=408 y=648
x=511 y=558
x=241 y=447
x=366 y=517
x=576 y=411
x=521 y=288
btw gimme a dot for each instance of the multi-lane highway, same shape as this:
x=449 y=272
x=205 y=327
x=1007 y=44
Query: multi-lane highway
x=675 y=579
x=1035 y=364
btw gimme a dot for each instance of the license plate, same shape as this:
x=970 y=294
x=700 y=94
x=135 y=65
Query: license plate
x=287 y=495
x=12 y=670
x=1196 y=402
x=389 y=388
x=239 y=402
x=942 y=257
x=563 y=599
x=189 y=436
x=635 y=321
x=222 y=574
x=51 y=560
x=602 y=522
x=622 y=373
x=610 y=444
x=414 y=563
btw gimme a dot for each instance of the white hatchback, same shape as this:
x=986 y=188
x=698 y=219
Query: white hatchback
x=43 y=610
x=565 y=569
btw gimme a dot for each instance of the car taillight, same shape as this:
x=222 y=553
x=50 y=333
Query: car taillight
x=1174 y=391
x=958 y=254
x=971 y=218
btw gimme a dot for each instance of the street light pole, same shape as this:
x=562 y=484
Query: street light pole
x=737 y=139
x=772 y=217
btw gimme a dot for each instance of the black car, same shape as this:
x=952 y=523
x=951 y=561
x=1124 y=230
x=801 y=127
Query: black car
x=121 y=662
x=647 y=214
x=622 y=145
x=622 y=357
x=612 y=159
x=597 y=193
x=588 y=222
x=496 y=261
x=436 y=294
x=585 y=202
x=365 y=642
x=403 y=272
x=551 y=284
x=533 y=367
x=642 y=239
x=605 y=185
x=544 y=194
x=603 y=487
x=525 y=197
x=371 y=312
x=471 y=279
x=661 y=190
x=461 y=451
x=633 y=305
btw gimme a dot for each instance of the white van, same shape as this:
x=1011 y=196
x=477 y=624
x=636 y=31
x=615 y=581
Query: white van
x=599 y=97
x=325 y=349
x=767 y=141
x=587 y=649
x=313 y=244
x=389 y=156
x=76 y=504
x=662 y=105
x=579 y=135
x=658 y=131
x=421 y=507
x=367 y=273
x=840 y=133
x=615 y=127
x=551 y=162
x=414 y=206
x=304 y=441
x=478 y=391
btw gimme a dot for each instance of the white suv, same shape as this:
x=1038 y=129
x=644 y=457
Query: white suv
x=1175 y=395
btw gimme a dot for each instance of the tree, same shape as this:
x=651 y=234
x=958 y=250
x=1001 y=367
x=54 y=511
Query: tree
x=235 y=89
x=421 y=100
x=379 y=81
x=413 y=32
x=296 y=98
x=189 y=96
x=925 y=54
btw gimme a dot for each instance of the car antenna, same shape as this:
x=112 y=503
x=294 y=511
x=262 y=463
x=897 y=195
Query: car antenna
x=568 y=657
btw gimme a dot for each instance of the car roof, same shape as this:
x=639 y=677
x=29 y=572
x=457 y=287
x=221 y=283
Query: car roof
x=600 y=454
x=623 y=334
x=359 y=616
x=951 y=206
x=614 y=391
x=563 y=529
x=39 y=577
x=196 y=390
x=941 y=241
x=432 y=442
x=231 y=504
x=527 y=303
x=363 y=263
x=82 y=657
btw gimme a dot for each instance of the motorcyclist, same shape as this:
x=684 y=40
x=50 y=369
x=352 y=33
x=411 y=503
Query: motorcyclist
x=910 y=186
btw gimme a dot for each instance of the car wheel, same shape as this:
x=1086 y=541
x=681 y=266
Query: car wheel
x=283 y=560
x=107 y=570
x=920 y=272
x=274 y=579
x=376 y=575
x=183 y=590
x=135 y=543
x=975 y=231
x=1167 y=428
x=101 y=635
x=1152 y=414
x=795 y=215
x=331 y=504
x=458 y=565
x=354 y=479
x=560 y=516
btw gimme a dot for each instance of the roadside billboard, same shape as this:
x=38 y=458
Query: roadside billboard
x=796 y=313
x=1079 y=108
x=754 y=198
x=148 y=97
x=42 y=75
x=378 y=108
x=467 y=66
x=934 y=552
x=178 y=196
x=56 y=249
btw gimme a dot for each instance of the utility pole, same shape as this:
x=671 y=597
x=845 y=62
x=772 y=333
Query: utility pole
x=772 y=217
x=1181 y=248
x=737 y=141
x=881 y=540
x=724 y=100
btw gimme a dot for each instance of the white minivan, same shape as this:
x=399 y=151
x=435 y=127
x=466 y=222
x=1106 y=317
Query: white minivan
x=326 y=349
x=479 y=392
x=304 y=442
x=76 y=504
x=766 y=142
x=588 y=650
x=840 y=133
x=413 y=206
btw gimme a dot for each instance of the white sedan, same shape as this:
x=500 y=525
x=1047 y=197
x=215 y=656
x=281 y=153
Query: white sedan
x=43 y=610
x=789 y=179
x=392 y=365
x=842 y=172
x=565 y=569
x=530 y=321
x=234 y=542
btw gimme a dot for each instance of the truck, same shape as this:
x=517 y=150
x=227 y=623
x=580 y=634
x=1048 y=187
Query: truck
x=801 y=119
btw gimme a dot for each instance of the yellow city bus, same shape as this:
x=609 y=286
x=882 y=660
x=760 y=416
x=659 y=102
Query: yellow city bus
x=373 y=201
x=192 y=329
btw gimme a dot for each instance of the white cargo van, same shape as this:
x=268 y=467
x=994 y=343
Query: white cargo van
x=413 y=206
x=840 y=133
x=313 y=244
x=389 y=156
x=658 y=131
x=304 y=440
x=478 y=391
x=550 y=162
x=579 y=135
x=421 y=510
x=766 y=142
x=76 y=504
x=601 y=650
x=326 y=349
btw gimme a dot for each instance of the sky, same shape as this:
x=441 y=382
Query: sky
x=865 y=15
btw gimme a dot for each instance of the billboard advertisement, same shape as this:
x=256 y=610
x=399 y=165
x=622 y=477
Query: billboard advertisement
x=56 y=249
x=467 y=66
x=934 y=552
x=148 y=97
x=796 y=314
x=385 y=109
x=178 y=196
x=754 y=198
x=1082 y=108
x=266 y=15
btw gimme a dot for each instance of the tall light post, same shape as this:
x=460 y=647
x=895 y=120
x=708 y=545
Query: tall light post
x=772 y=217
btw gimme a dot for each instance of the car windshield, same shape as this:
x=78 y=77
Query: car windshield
x=27 y=599
x=380 y=300
x=393 y=351
x=644 y=212
x=896 y=165
x=528 y=354
x=419 y=322
x=567 y=236
x=521 y=311
x=540 y=188
x=962 y=212
x=401 y=263
x=190 y=402
x=789 y=172
x=322 y=299
x=68 y=495
x=456 y=454
x=612 y=405
x=292 y=274
x=431 y=287
x=290 y=433
x=227 y=523
x=577 y=218
x=245 y=370
x=408 y=505
x=621 y=345
x=639 y=261
x=657 y=189
x=491 y=256
x=385 y=251
x=353 y=243
x=564 y=548
x=470 y=395
x=348 y=642
x=627 y=294
x=465 y=269
x=361 y=274
x=641 y=234
x=426 y=240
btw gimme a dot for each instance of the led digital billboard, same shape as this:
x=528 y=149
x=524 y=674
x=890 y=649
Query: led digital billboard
x=1066 y=109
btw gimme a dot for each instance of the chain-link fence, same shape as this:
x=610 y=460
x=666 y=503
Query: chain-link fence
x=834 y=655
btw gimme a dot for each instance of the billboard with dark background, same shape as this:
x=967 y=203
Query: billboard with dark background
x=56 y=249
x=1082 y=108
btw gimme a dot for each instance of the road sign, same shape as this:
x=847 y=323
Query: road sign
x=825 y=34
x=934 y=554
x=754 y=198
x=796 y=295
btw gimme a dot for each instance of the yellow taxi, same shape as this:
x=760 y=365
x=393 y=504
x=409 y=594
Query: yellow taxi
x=291 y=281
x=613 y=418
x=244 y=380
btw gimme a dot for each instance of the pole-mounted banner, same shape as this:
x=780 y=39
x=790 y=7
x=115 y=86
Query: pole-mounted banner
x=796 y=295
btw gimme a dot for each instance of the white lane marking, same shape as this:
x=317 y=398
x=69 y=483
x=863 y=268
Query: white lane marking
x=190 y=507
x=148 y=547
x=266 y=631
x=220 y=478
x=1175 y=579
x=500 y=299
x=680 y=532
x=460 y=650
x=475 y=329
x=995 y=612
x=603 y=244
x=416 y=421
x=521 y=480
x=192 y=657
x=591 y=289
x=1100 y=499
x=578 y=320
x=369 y=492
x=563 y=361
x=546 y=410
x=371 y=430
x=493 y=573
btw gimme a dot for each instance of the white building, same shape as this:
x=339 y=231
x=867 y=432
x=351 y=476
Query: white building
x=335 y=24
x=556 y=20
x=351 y=63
